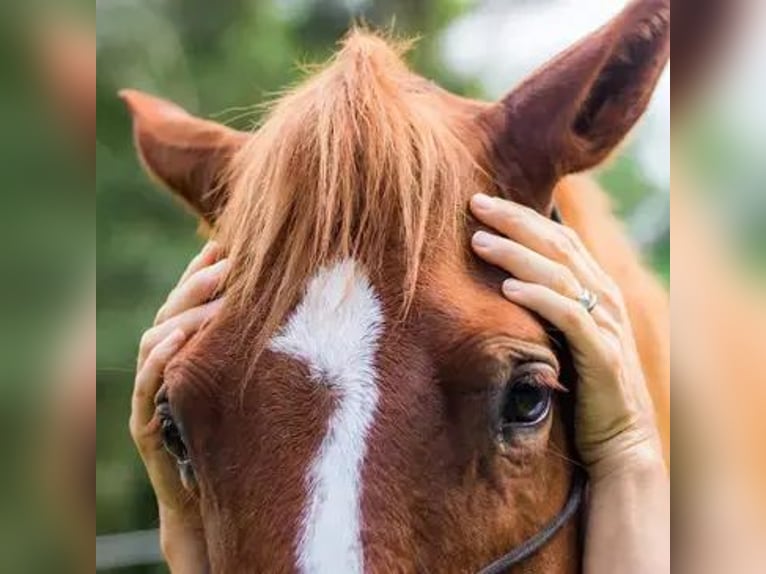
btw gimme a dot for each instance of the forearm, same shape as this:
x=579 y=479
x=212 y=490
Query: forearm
x=628 y=527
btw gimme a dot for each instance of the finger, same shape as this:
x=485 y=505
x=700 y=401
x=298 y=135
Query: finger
x=210 y=253
x=149 y=380
x=196 y=290
x=606 y=321
x=539 y=233
x=525 y=264
x=189 y=321
x=567 y=315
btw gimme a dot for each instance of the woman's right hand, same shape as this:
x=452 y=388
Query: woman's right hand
x=188 y=307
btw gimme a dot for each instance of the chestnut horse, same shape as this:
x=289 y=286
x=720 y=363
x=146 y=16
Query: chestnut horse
x=367 y=400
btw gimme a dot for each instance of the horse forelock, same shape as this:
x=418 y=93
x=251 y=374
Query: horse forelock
x=365 y=160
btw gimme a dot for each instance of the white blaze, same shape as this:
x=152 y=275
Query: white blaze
x=335 y=331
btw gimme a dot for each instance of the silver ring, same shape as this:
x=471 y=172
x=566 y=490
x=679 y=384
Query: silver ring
x=588 y=299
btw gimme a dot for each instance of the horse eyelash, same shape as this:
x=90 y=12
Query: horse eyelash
x=539 y=379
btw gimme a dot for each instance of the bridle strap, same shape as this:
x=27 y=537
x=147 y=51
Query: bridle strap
x=536 y=542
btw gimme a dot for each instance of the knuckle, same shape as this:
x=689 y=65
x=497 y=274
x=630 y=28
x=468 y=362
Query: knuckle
x=612 y=358
x=525 y=211
x=203 y=284
x=193 y=264
x=559 y=247
x=570 y=236
x=611 y=294
x=525 y=259
x=612 y=330
x=508 y=213
x=573 y=315
x=155 y=356
x=152 y=358
x=570 y=278
x=609 y=286
x=160 y=316
x=564 y=281
x=147 y=340
x=611 y=324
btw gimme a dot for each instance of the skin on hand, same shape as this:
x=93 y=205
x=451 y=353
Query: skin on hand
x=614 y=428
x=188 y=307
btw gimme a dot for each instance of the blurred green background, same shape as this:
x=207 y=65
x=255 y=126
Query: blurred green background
x=217 y=59
x=47 y=232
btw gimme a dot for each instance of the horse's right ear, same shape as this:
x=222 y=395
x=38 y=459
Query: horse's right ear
x=188 y=155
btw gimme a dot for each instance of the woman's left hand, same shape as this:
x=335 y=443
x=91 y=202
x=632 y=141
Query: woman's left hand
x=552 y=271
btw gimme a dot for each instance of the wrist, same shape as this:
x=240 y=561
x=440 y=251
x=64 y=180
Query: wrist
x=639 y=459
x=182 y=542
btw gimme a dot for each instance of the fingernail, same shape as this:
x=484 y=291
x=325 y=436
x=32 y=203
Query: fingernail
x=511 y=286
x=221 y=265
x=482 y=202
x=482 y=239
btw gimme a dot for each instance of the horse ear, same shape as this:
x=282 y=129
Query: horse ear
x=570 y=114
x=188 y=155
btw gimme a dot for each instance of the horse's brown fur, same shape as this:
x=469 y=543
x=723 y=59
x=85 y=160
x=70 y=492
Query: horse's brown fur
x=368 y=160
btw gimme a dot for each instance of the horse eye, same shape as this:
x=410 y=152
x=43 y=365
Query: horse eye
x=172 y=439
x=525 y=404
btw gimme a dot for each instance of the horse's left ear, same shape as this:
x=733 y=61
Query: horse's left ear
x=569 y=115
x=188 y=155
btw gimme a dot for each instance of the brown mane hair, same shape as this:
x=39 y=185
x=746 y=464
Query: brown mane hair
x=355 y=162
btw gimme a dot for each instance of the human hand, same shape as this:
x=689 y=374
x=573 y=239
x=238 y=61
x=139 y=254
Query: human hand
x=614 y=419
x=188 y=307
